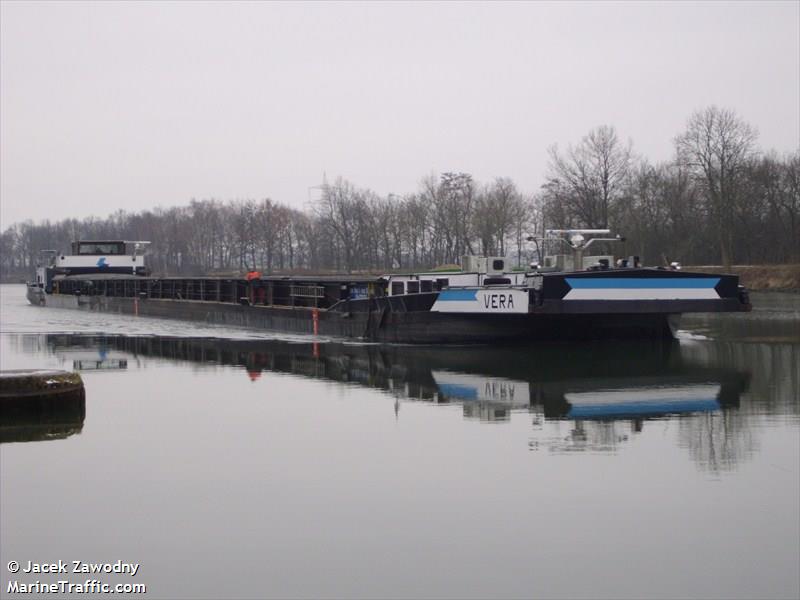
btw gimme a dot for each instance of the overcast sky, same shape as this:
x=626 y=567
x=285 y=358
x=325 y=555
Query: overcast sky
x=112 y=105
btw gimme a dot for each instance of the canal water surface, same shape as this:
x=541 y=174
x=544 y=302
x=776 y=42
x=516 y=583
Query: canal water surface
x=232 y=463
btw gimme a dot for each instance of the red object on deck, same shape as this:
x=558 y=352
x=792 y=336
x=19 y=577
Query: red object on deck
x=253 y=275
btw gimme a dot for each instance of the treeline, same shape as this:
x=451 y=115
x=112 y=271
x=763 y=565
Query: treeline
x=719 y=200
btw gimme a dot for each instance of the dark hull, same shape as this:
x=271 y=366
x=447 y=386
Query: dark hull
x=380 y=325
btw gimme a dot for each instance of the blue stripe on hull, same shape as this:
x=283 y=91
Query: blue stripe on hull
x=457 y=296
x=641 y=408
x=456 y=390
x=682 y=283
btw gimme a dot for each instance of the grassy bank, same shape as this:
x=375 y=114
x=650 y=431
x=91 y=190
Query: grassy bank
x=760 y=277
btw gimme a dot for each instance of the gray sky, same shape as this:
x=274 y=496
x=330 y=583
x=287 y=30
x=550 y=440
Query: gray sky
x=113 y=105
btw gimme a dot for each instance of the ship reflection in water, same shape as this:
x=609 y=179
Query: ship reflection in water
x=608 y=391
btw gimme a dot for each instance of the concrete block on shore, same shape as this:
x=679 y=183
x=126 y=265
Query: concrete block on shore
x=39 y=405
x=33 y=382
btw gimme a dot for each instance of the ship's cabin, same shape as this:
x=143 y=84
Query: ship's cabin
x=474 y=271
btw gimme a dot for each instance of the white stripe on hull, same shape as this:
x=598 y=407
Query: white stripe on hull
x=676 y=394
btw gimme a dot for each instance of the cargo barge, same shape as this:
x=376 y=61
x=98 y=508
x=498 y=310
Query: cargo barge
x=567 y=298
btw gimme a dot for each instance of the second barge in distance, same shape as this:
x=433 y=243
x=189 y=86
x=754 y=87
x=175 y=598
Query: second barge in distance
x=484 y=302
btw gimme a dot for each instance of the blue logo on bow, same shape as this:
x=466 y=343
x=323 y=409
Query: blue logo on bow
x=102 y=262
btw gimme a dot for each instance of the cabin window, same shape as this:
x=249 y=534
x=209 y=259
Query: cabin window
x=498 y=265
x=442 y=283
x=413 y=287
x=99 y=248
x=358 y=292
x=426 y=285
x=397 y=288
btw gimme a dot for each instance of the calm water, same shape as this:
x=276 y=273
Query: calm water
x=237 y=464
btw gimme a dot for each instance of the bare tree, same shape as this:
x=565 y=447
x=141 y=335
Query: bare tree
x=456 y=203
x=496 y=208
x=791 y=202
x=716 y=146
x=415 y=225
x=719 y=188
x=590 y=177
x=341 y=207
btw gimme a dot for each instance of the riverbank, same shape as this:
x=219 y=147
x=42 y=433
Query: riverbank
x=760 y=277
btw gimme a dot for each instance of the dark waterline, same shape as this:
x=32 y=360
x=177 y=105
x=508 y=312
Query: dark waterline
x=241 y=464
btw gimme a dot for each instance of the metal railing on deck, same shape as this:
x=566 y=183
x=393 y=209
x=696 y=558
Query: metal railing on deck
x=307 y=291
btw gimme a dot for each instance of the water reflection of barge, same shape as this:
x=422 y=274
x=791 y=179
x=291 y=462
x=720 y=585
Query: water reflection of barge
x=598 y=381
x=579 y=298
